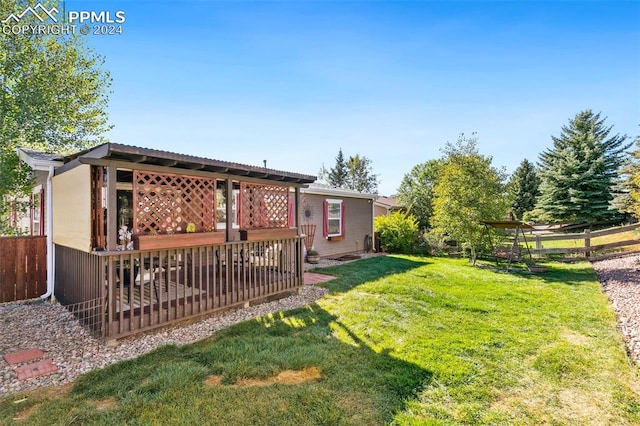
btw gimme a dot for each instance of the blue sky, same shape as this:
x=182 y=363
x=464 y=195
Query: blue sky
x=292 y=82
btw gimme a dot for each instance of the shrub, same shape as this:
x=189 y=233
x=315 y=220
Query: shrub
x=397 y=232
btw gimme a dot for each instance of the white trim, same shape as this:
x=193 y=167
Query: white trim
x=336 y=192
x=334 y=201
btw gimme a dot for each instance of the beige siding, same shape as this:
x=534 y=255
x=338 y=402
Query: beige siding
x=380 y=211
x=72 y=208
x=358 y=223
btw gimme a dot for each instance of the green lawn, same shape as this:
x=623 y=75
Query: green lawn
x=401 y=340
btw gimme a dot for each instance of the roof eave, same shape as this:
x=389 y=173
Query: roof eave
x=37 y=164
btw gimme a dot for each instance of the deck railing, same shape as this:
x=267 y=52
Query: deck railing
x=126 y=292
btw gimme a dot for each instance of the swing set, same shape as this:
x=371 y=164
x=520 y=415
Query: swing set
x=514 y=252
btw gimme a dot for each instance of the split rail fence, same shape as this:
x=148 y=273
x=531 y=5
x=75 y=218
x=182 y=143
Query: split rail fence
x=584 y=243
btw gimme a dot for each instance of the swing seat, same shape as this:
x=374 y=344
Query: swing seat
x=503 y=253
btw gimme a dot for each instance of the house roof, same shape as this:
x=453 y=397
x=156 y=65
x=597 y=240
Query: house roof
x=154 y=157
x=323 y=189
x=388 y=202
x=39 y=160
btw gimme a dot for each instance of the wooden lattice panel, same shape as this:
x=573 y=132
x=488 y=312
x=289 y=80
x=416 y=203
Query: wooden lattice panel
x=168 y=202
x=263 y=206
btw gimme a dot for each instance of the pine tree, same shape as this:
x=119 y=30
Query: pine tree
x=578 y=173
x=523 y=188
x=337 y=176
x=355 y=174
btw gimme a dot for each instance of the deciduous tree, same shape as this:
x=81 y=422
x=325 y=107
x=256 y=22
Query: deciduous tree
x=360 y=175
x=53 y=97
x=628 y=198
x=470 y=190
x=416 y=190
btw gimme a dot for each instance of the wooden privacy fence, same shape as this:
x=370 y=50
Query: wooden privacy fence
x=584 y=243
x=23 y=268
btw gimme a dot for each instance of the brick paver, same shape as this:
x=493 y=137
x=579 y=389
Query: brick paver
x=23 y=356
x=311 y=278
x=36 y=369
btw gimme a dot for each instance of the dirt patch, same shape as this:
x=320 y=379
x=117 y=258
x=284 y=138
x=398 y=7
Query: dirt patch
x=51 y=392
x=286 y=377
x=26 y=413
x=213 y=380
x=54 y=391
x=575 y=338
x=583 y=408
x=105 y=404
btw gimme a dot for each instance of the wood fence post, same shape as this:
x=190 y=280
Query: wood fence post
x=587 y=242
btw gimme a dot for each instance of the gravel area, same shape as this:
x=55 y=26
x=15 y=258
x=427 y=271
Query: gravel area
x=620 y=279
x=51 y=328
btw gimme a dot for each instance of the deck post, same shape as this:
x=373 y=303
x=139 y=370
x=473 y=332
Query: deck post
x=112 y=208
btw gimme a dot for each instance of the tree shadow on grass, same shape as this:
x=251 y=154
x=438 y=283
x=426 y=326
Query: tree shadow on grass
x=570 y=274
x=359 y=272
x=356 y=384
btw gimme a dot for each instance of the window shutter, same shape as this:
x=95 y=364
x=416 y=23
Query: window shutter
x=325 y=222
x=342 y=217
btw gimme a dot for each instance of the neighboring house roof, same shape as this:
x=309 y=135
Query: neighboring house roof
x=322 y=189
x=388 y=202
x=114 y=151
x=39 y=160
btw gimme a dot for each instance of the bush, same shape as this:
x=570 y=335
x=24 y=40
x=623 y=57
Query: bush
x=397 y=232
x=436 y=242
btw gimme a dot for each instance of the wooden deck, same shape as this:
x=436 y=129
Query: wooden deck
x=138 y=290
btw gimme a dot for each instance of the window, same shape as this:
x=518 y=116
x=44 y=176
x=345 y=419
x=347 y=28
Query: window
x=221 y=205
x=333 y=218
x=37 y=209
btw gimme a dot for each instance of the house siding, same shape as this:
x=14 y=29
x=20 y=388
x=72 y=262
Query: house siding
x=72 y=208
x=358 y=224
x=380 y=211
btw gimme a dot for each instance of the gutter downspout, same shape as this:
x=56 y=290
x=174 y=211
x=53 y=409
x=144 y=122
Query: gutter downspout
x=49 y=230
x=373 y=226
